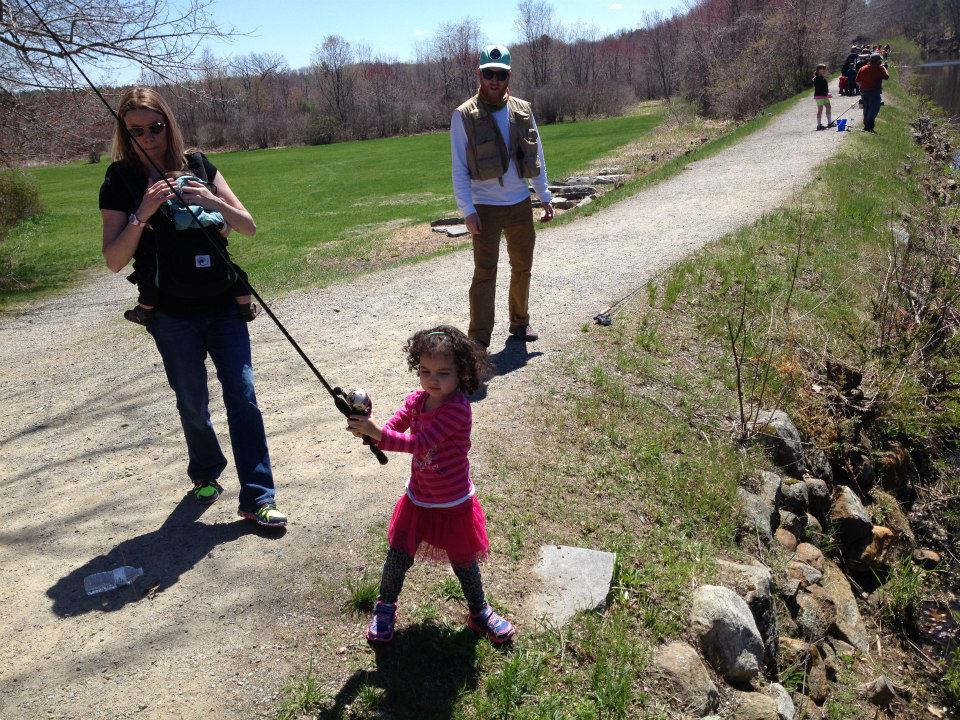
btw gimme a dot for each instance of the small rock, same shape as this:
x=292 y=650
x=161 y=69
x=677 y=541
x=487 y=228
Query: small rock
x=796 y=524
x=809 y=555
x=880 y=692
x=878 y=555
x=817 y=464
x=804 y=573
x=787 y=539
x=777 y=433
x=814 y=529
x=818 y=495
x=753 y=706
x=853 y=524
x=796 y=496
x=807 y=708
x=586 y=201
x=926 y=558
x=758 y=517
x=785 y=707
x=681 y=666
x=816 y=612
x=849 y=624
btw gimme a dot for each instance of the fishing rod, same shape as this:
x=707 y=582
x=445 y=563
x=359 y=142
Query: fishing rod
x=349 y=402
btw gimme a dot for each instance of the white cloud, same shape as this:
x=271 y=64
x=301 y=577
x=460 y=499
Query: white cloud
x=617 y=6
x=420 y=33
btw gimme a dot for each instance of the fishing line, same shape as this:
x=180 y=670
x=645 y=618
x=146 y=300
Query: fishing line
x=344 y=400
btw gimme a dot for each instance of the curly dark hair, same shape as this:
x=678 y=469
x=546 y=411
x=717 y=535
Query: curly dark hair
x=470 y=357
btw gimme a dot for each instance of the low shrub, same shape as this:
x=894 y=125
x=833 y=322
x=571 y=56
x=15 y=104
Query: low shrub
x=19 y=199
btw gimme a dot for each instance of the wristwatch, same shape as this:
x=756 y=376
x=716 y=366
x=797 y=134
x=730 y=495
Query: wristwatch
x=135 y=221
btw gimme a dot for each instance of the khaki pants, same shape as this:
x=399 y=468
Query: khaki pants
x=516 y=222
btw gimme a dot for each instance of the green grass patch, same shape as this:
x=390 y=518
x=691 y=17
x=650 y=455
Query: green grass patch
x=323 y=213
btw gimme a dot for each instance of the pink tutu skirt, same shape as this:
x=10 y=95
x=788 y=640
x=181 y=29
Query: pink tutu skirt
x=457 y=535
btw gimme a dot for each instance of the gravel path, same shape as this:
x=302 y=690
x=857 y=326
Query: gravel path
x=93 y=469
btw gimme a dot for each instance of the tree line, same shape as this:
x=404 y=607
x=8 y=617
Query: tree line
x=727 y=57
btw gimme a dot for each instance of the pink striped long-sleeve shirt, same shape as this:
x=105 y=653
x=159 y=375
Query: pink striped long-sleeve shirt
x=439 y=442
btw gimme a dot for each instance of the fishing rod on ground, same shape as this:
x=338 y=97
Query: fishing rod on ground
x=349 y=402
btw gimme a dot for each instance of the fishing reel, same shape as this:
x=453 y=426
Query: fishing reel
x=356 y=401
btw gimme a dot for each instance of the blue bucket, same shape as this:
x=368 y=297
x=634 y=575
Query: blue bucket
x=841 y=124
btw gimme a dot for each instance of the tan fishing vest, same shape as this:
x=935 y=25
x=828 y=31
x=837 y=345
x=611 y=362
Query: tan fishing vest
x=488 y=156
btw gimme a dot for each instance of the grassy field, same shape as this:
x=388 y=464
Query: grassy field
x=317 y=208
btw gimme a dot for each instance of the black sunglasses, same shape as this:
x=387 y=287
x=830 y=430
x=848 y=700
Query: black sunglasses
x=154 y=128
x=500 y=75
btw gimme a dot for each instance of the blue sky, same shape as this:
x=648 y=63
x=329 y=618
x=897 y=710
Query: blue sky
x=294 y=28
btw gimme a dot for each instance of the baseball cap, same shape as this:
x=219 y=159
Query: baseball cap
x=495 y=56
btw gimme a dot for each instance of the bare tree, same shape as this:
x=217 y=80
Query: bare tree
x=330 y=62
x=101 y=36
x=538 y=30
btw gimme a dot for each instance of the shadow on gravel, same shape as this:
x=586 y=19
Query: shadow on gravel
x=164 y=554
x=513 y=357
x=421 y=673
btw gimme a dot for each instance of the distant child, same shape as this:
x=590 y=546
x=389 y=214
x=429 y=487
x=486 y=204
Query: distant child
x=183 y=219
x=821 y=94
x=439 y=515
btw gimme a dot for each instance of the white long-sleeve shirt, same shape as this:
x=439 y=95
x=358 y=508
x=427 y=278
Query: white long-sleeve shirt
x=470 y=193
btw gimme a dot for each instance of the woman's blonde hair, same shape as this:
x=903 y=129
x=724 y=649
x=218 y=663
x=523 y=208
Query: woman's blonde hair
x=142 y=98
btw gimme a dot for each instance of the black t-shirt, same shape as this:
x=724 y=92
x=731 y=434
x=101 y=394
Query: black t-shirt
x=820 y=86
x=122 y=190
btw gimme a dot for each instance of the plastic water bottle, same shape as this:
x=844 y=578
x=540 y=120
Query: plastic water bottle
x=111 y=579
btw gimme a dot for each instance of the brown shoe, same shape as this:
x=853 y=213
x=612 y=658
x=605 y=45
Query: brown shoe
x=524 y=332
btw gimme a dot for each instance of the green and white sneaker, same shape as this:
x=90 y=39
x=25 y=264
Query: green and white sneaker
x=266 y=515
x=206 y=493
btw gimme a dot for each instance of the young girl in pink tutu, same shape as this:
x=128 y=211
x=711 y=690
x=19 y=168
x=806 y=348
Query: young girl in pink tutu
x=439 y=515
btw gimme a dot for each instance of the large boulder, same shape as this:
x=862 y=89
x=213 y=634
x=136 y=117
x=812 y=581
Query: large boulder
x=754 y=584
x=680 y=666
x=724 y=627
x=777 y=433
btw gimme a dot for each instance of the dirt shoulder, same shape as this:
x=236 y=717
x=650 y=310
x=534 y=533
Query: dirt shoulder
x=93 y=468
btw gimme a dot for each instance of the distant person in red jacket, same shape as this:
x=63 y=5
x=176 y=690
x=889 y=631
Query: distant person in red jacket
x=870 y=79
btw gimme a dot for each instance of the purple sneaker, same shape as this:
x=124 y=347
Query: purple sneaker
x=487 y=622
x=380 y=629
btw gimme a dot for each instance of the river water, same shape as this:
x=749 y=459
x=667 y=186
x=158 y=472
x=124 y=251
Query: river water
x=941 y=81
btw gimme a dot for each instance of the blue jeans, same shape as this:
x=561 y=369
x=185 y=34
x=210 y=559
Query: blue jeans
x=871 y=108
x=184 y=344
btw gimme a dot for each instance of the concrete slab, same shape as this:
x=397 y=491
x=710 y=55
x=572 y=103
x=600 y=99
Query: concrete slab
x=457 y=231
x=574 y=579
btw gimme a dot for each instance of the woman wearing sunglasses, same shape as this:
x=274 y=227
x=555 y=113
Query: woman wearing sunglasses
x=196 y=314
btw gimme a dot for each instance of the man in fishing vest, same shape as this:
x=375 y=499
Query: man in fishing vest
x=495 y=149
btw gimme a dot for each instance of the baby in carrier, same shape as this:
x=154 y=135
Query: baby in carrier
x=185 y=218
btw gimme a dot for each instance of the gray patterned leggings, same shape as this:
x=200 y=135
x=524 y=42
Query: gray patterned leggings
x=395 y=570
